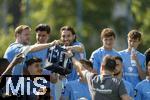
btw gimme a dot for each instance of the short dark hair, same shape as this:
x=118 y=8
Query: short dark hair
x=135 y=34
x=118 y=58
x=68 y=28
x=3 y=64
x=32 y=60
x=109 y=63
x=43 y=27
x=107 y=32
x=87 y=62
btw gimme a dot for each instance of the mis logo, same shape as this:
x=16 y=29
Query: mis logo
x=26 y=85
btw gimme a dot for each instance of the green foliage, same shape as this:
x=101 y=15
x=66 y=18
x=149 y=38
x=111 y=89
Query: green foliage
x=5 y=40
x=57 y=13
x=96 y=14
x=141 y=12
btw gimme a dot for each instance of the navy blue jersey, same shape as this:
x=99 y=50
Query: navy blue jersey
x=59 y=63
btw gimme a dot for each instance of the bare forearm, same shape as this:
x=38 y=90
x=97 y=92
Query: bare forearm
x=142 y=74
x=77 y=48
x=38 y=47
x=78 y=66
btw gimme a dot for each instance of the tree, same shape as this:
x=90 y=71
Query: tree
x=141 y=13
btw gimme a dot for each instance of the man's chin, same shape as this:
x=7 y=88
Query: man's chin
x=116 y=74
x=26 y=43
x=108 y=47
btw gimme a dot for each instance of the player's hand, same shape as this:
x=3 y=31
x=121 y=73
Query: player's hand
x=69 y=54
x=57 y=42
x=18 y=58
x=134 y=56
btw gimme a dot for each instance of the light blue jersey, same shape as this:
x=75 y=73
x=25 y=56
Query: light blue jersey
x=143 y=90
x=11 y=52
x=130 y=73
x=78 y=56
x=74 y=90
x=129 y=88
x=42 y=54
x=98 y=55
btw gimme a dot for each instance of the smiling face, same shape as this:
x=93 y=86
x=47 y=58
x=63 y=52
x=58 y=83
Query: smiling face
x=42 y=37
x=67 y=37
x=108 y=42
x=108 y=38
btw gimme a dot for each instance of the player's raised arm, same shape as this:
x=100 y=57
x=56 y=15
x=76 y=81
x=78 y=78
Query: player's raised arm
x=76 y=48
x=18 y=59
x=38 y=47
x=76 y=63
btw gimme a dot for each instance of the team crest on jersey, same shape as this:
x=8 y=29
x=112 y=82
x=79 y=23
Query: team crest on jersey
x=102 y=86
x=130 y=69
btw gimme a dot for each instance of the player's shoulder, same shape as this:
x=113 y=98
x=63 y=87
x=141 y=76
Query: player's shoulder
x=77 y=43
x=142 y=83
x=97 y=51
x=141 y=54
x=122 y=51
x=115 y=52
x=13 y=46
